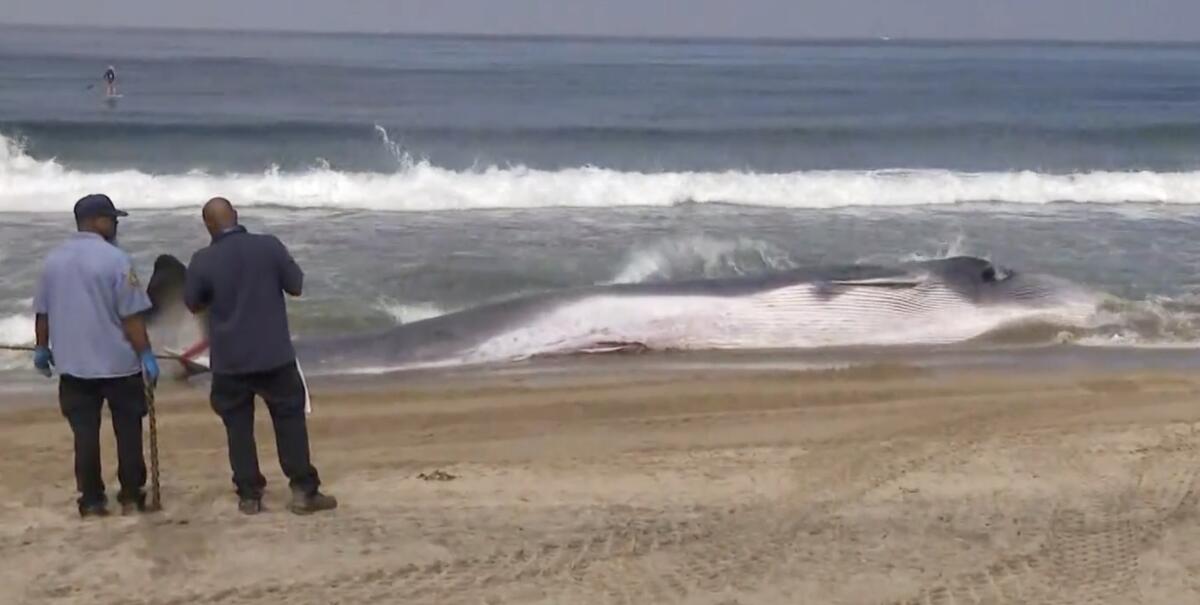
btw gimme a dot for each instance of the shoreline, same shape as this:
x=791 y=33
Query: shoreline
x=22 y=385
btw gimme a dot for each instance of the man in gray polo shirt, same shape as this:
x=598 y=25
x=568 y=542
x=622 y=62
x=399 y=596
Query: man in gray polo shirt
x=88 y=308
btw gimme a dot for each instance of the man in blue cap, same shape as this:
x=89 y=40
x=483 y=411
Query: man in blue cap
x=89 y=327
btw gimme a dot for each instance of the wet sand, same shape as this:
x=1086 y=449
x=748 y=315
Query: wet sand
x=631 y=480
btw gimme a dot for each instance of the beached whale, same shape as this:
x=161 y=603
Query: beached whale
x=921 y=302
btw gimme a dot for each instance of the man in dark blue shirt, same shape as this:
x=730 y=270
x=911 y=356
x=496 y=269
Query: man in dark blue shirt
x=239 y=281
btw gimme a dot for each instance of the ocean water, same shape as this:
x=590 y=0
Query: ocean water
x=412 y=176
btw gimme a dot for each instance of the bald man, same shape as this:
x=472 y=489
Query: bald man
x=239 y=281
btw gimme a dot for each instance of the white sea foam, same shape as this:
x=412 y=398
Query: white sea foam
x=30 y=184
x=15 y=330
x=403 y=313
x=701 y=256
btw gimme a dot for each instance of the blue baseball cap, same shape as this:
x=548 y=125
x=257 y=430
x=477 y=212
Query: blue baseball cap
x=96 y=204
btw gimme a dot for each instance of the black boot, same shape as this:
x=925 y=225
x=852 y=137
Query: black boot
x=250 y=506
x=135 y=503
x=307 y=503
x=94 y=509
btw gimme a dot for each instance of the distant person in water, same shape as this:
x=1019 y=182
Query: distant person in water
x=110 y=81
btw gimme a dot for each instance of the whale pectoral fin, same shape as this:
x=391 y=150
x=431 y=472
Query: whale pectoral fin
x=172 y=328
x=604 y=347
x=615 y=347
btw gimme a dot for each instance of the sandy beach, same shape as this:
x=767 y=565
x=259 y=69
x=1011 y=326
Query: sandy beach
x=631 y=483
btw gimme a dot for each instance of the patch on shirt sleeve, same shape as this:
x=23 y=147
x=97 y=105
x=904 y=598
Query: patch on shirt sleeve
x=132 y=279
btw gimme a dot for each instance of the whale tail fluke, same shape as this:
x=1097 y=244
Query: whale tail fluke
x=173 y=329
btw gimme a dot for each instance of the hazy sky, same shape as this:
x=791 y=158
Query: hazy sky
x=1044 y=19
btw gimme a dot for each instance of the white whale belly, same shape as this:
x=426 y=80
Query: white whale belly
x=798 y=316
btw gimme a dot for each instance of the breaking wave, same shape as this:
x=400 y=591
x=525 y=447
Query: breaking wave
x=15 y=330
x=29 y=184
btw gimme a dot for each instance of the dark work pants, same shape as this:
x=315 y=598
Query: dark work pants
x=283 y=391
x=81 y=400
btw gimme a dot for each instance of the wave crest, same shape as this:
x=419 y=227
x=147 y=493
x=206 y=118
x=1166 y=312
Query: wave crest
x=28 y=184
x=701 y=257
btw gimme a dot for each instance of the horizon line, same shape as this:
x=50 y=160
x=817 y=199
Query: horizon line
x=659 y=37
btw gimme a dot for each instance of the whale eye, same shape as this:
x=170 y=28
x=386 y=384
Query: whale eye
x=992 y=274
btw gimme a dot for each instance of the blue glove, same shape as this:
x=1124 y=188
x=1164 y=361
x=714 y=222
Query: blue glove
x=42 y=360
x=150 y=368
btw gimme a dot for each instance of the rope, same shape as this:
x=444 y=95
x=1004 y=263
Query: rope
x=155 y=502
x=27 y=348
x=31 y=348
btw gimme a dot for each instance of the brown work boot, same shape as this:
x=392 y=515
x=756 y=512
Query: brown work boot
x=132 y=504
x=250 y=506
x=95 y=509
x=305 y=503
